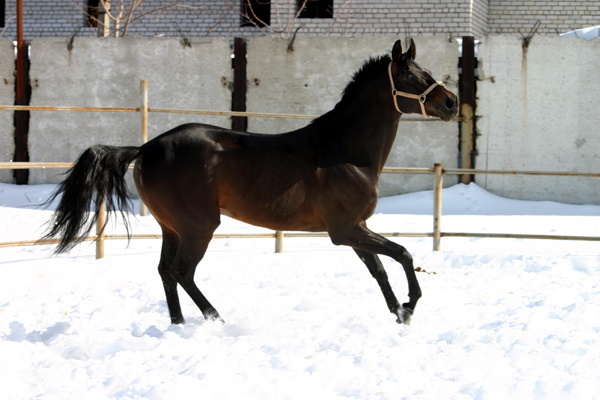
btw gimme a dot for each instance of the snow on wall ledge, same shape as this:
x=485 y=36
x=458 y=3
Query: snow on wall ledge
x=538 y=110
x=106 y=72
x=310 y=80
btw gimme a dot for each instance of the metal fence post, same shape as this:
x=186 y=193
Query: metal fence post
x=438 y=178
x=144 y=113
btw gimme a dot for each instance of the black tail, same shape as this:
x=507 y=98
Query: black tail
x=98 y=176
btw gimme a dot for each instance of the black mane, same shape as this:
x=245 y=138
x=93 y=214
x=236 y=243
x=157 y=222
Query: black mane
x=370 y=70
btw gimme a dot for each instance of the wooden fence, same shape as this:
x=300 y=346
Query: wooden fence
x=437 y=171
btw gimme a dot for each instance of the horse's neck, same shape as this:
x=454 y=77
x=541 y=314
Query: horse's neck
x=369 y=127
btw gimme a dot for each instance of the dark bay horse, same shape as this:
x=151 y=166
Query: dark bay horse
x=323 y=177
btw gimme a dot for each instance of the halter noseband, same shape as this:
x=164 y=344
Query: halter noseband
x=421 y=97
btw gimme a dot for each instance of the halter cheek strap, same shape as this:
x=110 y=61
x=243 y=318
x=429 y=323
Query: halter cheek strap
x=421 y=97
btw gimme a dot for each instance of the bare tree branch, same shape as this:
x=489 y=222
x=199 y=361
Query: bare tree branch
x=217 y=23
x=124 y=15
x=290 y=26
x=247 y=17
x=344 y=11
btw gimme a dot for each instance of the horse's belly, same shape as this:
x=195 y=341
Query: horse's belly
x=277 y=215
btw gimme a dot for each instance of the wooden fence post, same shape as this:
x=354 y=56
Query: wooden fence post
x=100 y=231
x=278 y=241
x=144 y=113
x=438 y=178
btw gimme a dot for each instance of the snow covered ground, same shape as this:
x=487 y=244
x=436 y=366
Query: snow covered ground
x=499 y=318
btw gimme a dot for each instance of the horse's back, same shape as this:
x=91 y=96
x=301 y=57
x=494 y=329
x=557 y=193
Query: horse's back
x=264 y=180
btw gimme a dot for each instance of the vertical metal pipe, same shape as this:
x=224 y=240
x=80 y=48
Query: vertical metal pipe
x=466 y=141
x=467 y=105
x=20 y=55
x=21 y=117
x=278 y=241
x=239 y=83
x=438 y=177
x=144 y=113
x=144 y=109
x=100 y=232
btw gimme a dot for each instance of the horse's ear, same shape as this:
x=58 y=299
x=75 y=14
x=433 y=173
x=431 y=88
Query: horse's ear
x=397 y=51
x=412 y=50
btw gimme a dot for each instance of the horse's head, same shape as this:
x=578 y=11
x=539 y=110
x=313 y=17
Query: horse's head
x=414 y=90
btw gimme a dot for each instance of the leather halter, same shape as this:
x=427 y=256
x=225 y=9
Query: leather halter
x=421 y=97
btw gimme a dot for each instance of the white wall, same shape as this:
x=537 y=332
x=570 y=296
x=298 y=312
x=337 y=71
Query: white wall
x=7 y=97
x=310 y=80
x=541 y=111
x=106 y=72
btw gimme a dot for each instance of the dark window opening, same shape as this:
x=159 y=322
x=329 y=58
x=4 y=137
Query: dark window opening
x=315 y=8
x=2 y=15
x=91 y=17
x=256 y=13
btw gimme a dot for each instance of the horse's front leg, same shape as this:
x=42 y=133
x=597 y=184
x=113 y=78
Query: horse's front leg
x=367 y=244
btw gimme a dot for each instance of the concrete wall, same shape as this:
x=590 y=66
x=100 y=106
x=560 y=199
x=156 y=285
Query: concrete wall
x=310 y=80
x=539 y=112
x=7 y=97
x=106 y=72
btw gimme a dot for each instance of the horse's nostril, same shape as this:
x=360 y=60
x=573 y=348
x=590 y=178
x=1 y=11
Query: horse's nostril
x=449 y=103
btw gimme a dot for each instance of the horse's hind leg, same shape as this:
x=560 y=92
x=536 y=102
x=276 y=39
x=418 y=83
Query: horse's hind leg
x=190 y=251
x=167 y=256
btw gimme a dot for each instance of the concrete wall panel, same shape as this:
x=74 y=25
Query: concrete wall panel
x=106 y=72
x=539 y=110
x=7 y=97
x=311 y=79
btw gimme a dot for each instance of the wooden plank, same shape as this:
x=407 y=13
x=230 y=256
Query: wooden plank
x=180 y=111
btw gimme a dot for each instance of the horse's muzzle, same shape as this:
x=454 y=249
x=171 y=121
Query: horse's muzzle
x=450 y=107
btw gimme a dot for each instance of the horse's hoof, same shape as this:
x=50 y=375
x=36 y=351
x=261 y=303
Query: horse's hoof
x=404 y=315
x=214 y=317
x=178 y=321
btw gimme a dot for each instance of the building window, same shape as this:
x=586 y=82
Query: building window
x=2 y=16
x=256 y=13
x=91 y=17
x=315 y=8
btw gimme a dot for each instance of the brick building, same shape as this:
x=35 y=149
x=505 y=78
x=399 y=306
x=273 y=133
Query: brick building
x=198 y=18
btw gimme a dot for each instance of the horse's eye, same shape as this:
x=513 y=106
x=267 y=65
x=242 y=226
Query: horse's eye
x=410 y=77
